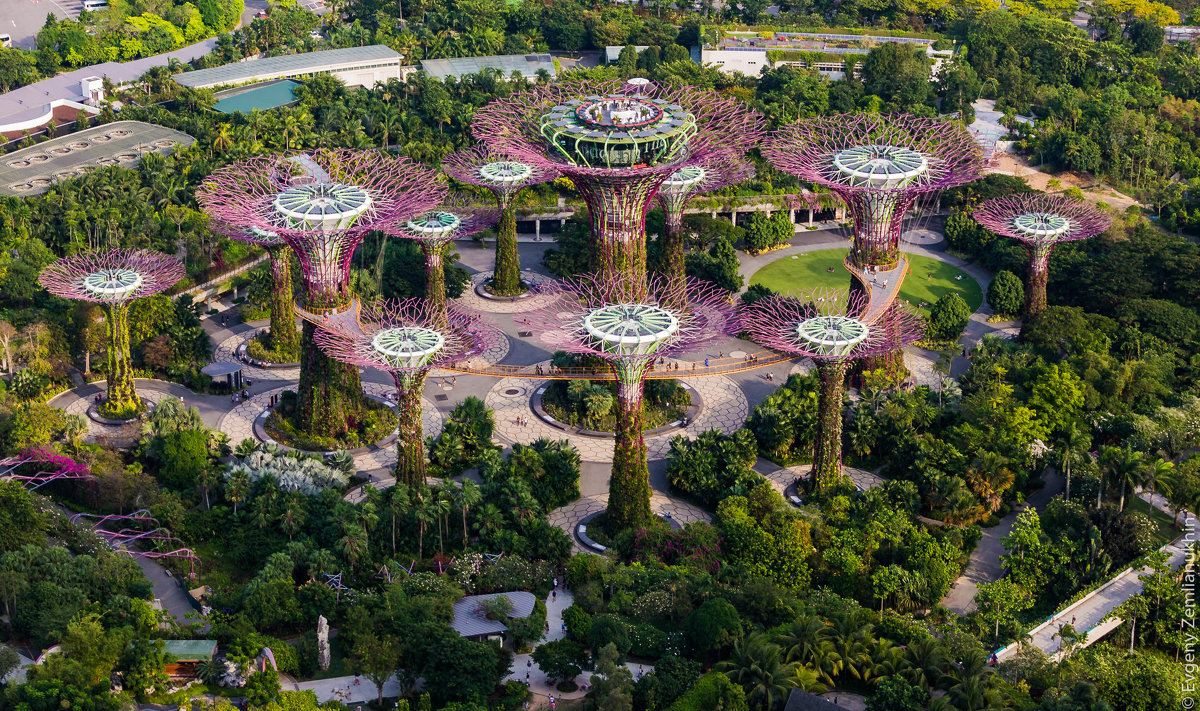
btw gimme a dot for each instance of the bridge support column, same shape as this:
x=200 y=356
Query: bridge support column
x=537 y=227
x=810 y=216
x=733 y=217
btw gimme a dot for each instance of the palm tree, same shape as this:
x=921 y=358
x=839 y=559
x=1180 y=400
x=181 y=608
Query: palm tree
x=1071 y=444
x=468 y=496
x=1122 y=464
x=804 y=640
x=293 y=515
x=237 y=487
x=397 y=505
x=808 y=680
x=990 y=477
x=426 y=514
x=489 y=520
x=760 y=669
x=1156 y=476
x=210 y=671
x=208 y=478
x=925 y=663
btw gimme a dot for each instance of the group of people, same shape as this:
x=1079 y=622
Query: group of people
x=521 y=421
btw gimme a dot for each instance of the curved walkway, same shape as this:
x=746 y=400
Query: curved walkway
x=663 y=505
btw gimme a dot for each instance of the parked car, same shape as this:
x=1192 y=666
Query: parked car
x=261 y=13
x=5 y=40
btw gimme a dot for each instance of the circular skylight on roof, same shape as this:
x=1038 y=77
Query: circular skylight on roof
x=324 y=206
x=683 y=179
x=1041 y=225
x=831 y=335
x=505 y=172
x=435 y=224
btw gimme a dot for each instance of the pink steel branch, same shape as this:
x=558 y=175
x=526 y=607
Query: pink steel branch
x=849 y=153
x=54 y=466
x=122 y=540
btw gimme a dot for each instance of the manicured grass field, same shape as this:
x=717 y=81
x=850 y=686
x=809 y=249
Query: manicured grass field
x=927 y=279
x=1165 y=529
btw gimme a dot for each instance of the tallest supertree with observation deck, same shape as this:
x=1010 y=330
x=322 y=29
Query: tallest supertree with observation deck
x=322 y=204
x=617 y=142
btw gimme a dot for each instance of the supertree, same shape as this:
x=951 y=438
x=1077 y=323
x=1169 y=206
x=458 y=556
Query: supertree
x=407 y=338
x=593 y=317
x=824 y=325
x=704 y=175
x=321 y=204
x=505 y=177
x=435 y=230
x=1041 y=221
x=617 y=142
x=114 y=278
x=284 y=339
x=879 y=164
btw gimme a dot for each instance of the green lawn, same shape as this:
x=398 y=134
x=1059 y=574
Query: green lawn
x=927 y=280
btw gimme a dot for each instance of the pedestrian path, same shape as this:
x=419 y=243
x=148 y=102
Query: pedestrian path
x=984 y=565
x=1088 y=615
x=662 y=505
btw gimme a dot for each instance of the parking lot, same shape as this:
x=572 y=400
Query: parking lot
x=24 y=18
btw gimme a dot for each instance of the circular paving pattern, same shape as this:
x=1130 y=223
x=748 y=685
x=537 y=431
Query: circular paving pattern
x=725 y=409
x=226 y=352
x=113 y=435
x=662 y=505
x=238 y=423
x=474 y=301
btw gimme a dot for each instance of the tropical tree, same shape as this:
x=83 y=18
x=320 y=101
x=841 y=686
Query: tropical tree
x=762 y=671
x=1071 y=445
x=1157 y=476
x=1124 y=465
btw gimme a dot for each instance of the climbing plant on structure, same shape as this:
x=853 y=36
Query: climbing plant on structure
x=407 y=338
x=282 y=340
x=434 y=231
x=592 y=316
x=114 y=279
x=701 y=176
x=1041 y=222
x=617 y=142
x=505 y=177
x=321 y=204
x=828 y=327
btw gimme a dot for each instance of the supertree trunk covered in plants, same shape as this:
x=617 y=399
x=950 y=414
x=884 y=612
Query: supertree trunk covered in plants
x=629 y=487
x=284 y=337
x=590 y=318
x=505 y=177
x=1041 y=222
x=114 y=279
x=321 y=204
x=711 y=173
x=120 y=391
x=617 y=142
x=827 y=450
x=407 y=338
x=824 y=325
x=434 y=231
x=506 y=273
x=1035 y=283
x=410 y=444
x=878 y=164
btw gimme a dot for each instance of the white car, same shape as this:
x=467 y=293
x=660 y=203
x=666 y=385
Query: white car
x=5 y=40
